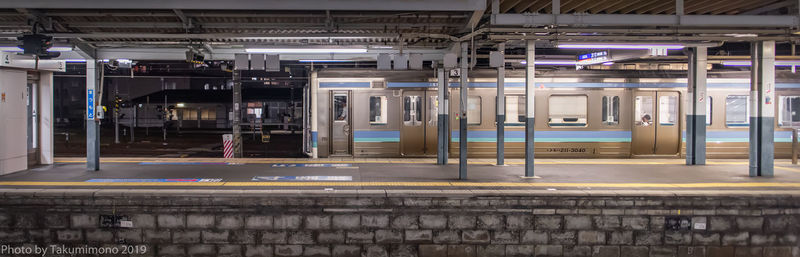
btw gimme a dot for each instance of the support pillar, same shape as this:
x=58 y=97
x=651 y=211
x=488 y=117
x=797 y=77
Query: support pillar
x=442 y=119
x=462 y=129
x=762 y=108
x=314 y=126
x=501 y=105
x=46 y=103
x=530 y=86
x=237 y=114
x=696 y=107
x=92 y=122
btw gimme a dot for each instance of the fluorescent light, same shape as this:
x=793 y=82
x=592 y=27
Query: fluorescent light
x=306 y=50
x=608 y=63
x=620 y=46
x=75 y=60
x=325 y=60
x=552 y=62
x=747 y=63
x=52 y=49
x=181 y=104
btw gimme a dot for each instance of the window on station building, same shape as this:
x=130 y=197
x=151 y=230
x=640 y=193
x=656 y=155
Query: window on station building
x=610 y=110
x=412 y=108
x=737 y=111
x=211 y=114
x=789 y=115
x=515 y=110
x=567 y=111
x=667 y=110
x=377 y=110
x=474 y=110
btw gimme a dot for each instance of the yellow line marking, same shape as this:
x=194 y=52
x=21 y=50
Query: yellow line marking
x=410 y=184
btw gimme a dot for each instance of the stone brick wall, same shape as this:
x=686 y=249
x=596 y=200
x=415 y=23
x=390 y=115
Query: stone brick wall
x=408 y=223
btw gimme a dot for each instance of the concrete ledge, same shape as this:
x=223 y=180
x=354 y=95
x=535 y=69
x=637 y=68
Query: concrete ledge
x=113 y=193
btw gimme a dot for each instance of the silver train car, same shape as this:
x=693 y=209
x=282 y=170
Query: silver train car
x=367 y=113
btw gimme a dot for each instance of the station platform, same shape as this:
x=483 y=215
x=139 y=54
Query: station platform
x=396 y=173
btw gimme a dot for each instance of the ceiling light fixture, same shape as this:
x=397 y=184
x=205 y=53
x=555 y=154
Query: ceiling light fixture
x=619 y=46
x=747 y=63
x=305 y=50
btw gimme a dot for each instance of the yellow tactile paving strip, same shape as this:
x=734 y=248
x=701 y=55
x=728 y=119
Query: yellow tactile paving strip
x=410 y=184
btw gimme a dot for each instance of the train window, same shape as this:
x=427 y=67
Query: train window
x=737 y=111
x=567 y=111
x=412 y=108
x=377 y=110
x=474 y=110
x=433 y=110
x=340 y=107
x=515 y=110
x=610 y=110
x=667 y=110
x=643 y=109
x=789 y=116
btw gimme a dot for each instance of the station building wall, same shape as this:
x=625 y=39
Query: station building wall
x=13 y=120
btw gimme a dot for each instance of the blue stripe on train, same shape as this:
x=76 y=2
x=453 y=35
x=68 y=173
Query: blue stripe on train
x=547 y=136
x=741 y=136
x=580 y=85
x=374 y=136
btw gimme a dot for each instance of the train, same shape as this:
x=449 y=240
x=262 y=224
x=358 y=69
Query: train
x=363 y=113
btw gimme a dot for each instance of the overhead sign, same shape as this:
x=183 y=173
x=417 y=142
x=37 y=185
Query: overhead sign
x=593 y=58
x=90 y=104
x=11 y=59
x=302 y=178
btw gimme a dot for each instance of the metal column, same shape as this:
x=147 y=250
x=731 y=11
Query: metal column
x=696 y=107
x=92 y=122
x=501 y=106
x=530 y=86
x=762 y=108
x=441 y=154
x=462 y=128
x=314 y=119
x=237 y=114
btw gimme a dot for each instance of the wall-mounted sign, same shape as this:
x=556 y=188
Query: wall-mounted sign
x=90 y=104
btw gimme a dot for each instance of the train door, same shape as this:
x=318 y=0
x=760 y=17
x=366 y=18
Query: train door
x=432 y=123
x=656 y=128
x=33 y=130
x=412 y=130
x=341 y=136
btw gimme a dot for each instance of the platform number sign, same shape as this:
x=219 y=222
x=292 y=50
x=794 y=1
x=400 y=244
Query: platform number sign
x=90 y=104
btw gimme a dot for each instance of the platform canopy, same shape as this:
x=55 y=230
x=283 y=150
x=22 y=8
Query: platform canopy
x=156 y=29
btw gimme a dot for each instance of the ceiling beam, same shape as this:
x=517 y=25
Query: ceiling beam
x=474 y=19
x=747 y=21
x=507 y=5
x=349 y=5
x=770 y=7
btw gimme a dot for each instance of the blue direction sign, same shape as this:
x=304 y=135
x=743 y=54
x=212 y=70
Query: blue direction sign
x=302 y=178
x=90 y=104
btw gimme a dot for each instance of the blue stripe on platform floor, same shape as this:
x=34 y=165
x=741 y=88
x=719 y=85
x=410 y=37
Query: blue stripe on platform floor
x=155 y=180
x=185 y=163
x=310 y=165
